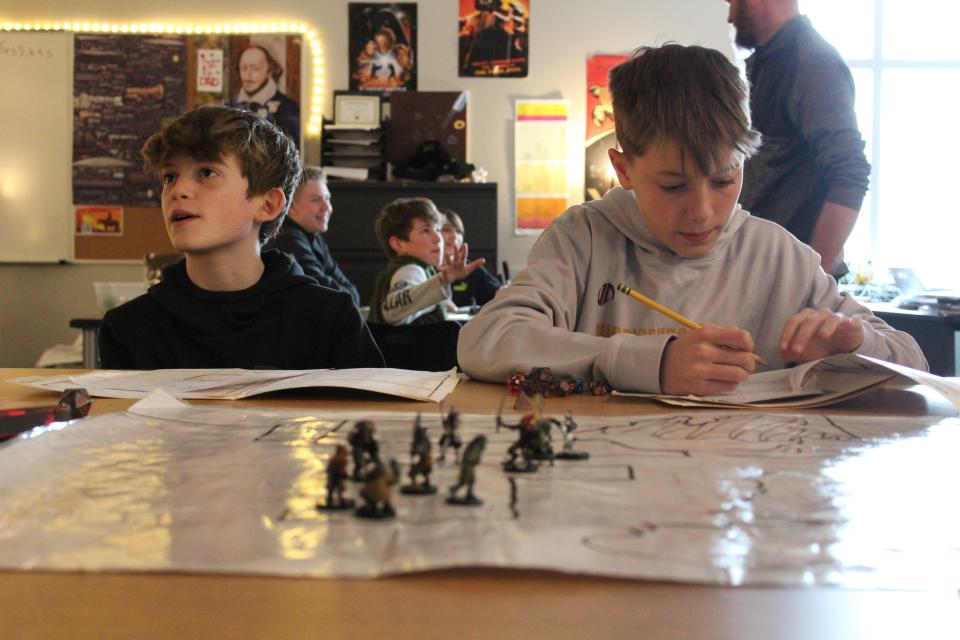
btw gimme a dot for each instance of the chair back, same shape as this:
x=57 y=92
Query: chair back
x=423 y=347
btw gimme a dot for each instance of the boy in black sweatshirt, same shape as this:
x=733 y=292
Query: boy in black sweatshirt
x=228 y=178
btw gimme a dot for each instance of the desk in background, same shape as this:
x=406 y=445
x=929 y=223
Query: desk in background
x=936 y=335
x=462 y=603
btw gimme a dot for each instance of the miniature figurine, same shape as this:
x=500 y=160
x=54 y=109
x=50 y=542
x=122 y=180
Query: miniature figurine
x=336 y=478
x=533 y=443
x=567 y=427
x=364 y=448
x=450 y=436
x=376 y=492
x=468 y=465
x=421 y=463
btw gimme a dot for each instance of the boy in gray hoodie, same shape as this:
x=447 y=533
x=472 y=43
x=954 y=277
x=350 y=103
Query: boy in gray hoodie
x=674 y=232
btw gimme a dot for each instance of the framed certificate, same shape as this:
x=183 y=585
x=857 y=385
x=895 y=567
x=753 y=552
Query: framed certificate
x=356 y=109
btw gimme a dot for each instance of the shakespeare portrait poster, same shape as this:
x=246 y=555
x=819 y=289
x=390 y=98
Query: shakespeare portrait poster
x=598 y=174
x=494 y=38
x=265 y=78
x=383 y=46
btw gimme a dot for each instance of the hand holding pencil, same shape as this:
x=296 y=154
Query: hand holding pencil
x=711 y=359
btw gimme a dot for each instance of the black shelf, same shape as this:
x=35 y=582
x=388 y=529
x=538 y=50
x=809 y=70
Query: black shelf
x=360 y=148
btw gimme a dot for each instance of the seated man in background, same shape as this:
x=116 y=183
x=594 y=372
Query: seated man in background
x=478 y=288
x=300 y=235
x=414 y=287
x=228 y=177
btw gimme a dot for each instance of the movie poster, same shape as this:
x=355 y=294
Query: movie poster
x=598 y=173
x=494 y=38
x=383 y=46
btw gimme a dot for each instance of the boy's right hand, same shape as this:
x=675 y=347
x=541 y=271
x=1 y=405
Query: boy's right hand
x=710 y=360
x=458 y=268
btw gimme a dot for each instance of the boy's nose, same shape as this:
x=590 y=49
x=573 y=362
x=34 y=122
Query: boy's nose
x=700 y=205
x=180 y=189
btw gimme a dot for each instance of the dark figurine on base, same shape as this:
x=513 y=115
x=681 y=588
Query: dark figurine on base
x=336 y=478
x=450 y=436
x=533 y=442
x=468 y=465
x=364 y=448
x=567 y=427
x=421 y=463
x=376 y=493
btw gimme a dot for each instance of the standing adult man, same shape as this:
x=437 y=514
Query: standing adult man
x=259 y=93
x=810 y=174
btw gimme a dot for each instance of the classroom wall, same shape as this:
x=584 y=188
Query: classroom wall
x=36 y=301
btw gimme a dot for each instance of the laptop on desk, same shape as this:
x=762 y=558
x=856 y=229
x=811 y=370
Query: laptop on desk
x=913 y=295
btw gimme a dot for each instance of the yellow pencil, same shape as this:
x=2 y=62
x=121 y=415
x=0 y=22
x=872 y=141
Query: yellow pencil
x=670 y=313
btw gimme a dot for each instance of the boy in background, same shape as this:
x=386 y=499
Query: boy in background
x=301 y=236
x=672 y=231
x=415 y=285
x=478 y=288
x=228 y=177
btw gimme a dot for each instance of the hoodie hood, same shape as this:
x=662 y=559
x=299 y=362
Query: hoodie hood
x=236 y=310
x=619 y=208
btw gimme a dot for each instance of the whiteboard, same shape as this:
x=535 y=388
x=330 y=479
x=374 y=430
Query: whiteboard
x=35 y=147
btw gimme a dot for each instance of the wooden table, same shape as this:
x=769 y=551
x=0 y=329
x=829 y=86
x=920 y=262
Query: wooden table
x=479 y=603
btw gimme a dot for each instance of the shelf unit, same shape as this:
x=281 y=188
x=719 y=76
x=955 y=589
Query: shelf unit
x=357 y=152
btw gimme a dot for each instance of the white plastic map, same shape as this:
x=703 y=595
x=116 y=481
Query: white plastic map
x=723 y=498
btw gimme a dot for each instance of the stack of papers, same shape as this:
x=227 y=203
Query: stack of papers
x=233 y=384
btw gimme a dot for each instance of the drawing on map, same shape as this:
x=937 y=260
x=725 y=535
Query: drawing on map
x=710 y=497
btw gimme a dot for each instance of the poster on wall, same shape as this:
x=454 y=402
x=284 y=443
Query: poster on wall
x=494 y=38
x=123 y=88
x=265 y=79
x=91 y=220
x=541 y=157
x=210 y=70
x=383 y=46
x=600 y=137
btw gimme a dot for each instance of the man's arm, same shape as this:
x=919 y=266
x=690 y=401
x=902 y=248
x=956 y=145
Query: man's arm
x=822 y=107
x=834 y=226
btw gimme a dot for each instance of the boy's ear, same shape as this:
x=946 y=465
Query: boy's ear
x=271 y=205
x=620 y=165
x=396 y=244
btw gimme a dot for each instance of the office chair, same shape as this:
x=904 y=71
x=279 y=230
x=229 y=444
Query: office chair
x=423 y=347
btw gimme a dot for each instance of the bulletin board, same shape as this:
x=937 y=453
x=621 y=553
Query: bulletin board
x=72 y=185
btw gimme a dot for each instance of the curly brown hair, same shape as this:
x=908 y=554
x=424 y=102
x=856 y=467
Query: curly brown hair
x=268 y=157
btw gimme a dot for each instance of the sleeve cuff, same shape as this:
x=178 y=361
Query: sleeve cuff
x=632 y=363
